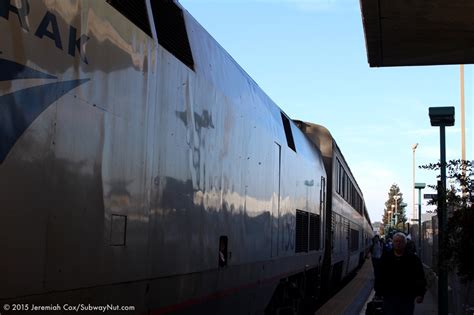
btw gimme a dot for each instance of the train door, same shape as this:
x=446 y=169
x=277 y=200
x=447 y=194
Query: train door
x=275 y=215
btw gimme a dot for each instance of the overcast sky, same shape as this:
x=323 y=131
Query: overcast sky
x=309 y=56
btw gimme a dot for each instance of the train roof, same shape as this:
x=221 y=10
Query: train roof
x=321 y=137
x=418 y=32
x=240 y=83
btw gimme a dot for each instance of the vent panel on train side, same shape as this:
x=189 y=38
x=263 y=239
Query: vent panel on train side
x=301 y=238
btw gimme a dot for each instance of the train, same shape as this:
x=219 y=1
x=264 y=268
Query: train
x=143 y=170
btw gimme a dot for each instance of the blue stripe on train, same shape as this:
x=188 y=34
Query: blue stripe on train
x=18 y=110
x=12 y=71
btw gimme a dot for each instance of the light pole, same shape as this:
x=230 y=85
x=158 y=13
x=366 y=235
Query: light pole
x=390 y=219
x=414 y=210
x=442 y=117
x=419 y=186
x=395 y=213
x=403 y=206
x=463 y=126
x=387 y=225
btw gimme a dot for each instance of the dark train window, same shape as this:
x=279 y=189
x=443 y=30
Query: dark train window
x=344 y=185
x=314 y=231
x=301 y=238
x=288 y=133
x=354 y=240
x=340 y=173
x=171 y=30
x=135 y=11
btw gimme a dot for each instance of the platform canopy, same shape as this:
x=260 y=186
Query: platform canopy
x=418 y=32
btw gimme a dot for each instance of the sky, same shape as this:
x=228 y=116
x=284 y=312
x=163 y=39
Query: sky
x=309 y=57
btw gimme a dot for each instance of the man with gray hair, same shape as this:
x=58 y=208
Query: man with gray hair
x=402 y=279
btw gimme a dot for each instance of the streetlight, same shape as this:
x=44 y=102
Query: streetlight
x=463 y=126
x=414 y=211
x=390 y=218
x=442 y=117
x=395 y=213
x=403 y=206
x=419 y=186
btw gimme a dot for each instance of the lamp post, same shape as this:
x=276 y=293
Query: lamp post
x=391 y=214
x=414 y=211
x=419 y=186
x=463 y=126
x=442 y=117
x=403 y=206
x=390 y=219
x=395 y=213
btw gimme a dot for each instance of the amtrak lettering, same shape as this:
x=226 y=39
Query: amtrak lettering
x=19 y=109
x=22 y=12
x=47 y=28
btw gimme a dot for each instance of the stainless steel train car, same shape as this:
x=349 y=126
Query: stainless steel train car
x=141 y=167
x=348 y=226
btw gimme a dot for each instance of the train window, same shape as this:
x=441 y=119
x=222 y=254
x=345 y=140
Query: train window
x=353 y=195
x=301 y=238
x=354 y=240
x=344 y=185
x=314 y=231
x=347 y=191
x=339 y=180
x=223 y=251
x=288 y=133
x=135 y=11
x=171 y=30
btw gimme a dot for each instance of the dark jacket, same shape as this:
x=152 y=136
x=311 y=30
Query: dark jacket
x=400 y=276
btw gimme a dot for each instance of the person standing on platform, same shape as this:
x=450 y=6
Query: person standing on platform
x=411 y=247
x=376 y=253
x=387 y=247
x=401 y=281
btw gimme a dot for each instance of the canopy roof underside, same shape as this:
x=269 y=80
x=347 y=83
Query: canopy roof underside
x=418 y=32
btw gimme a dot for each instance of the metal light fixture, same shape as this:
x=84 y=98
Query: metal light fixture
x=419 y=186
x=442 y=117
x=395 y=213
x=414 y=210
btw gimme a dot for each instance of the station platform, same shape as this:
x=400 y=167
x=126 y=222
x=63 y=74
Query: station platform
x=353 y=298
x=428 y=307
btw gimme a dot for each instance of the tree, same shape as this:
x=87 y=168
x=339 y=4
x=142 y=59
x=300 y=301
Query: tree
x=459 y=201
x=393 y=209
